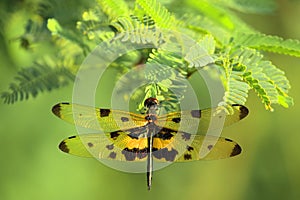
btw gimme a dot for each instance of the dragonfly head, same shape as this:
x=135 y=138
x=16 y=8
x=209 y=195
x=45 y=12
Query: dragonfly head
x=151 y=103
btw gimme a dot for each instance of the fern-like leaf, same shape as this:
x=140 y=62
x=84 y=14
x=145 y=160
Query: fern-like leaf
x=258 y=81
x=236 y=90
x=264 y=78
x=162 y=17
x=38 y=78
x=138 y=31
x=269 y=43
x=200 y=54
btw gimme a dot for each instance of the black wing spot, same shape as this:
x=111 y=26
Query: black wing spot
x=71 y=137
x=142 y=153
x=90 y=144
x=131 y=154
x=114 y=135
x=56 y=109
x=110 y=146
x=229 y=140
x=104 y=112
x=176 y=120
x=196 y=113
x=164 y=134
x=62 y=146
x=112 y=155
x=236 y=150
x=189 y=148
x=133 y=136
x=210 y=147
x=124 y=119
x=165 y=153
x=187 y=156
x=244 y=112
x=186 y=136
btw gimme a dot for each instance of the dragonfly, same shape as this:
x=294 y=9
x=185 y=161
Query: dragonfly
x=171 y=137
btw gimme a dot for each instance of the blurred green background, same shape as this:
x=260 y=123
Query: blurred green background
x=32 y=167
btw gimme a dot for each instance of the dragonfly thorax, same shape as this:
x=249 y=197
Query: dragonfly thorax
x=151 y=118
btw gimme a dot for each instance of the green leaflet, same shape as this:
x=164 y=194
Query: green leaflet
x=36 y=79
x=137 y=31
x=201 y=53
x=268 y=43
x=265 y=79
x=236 y=90
x=162 y=17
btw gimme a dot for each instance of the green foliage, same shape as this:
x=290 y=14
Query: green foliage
x=201 y=54
x=33 y=80
x=265 y=79
x=222 y=41
x=158 y=13
x=269 y=43
x=137 y=31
